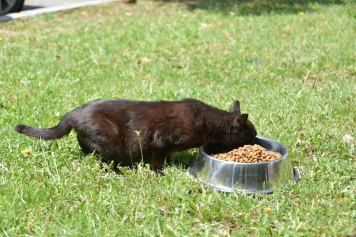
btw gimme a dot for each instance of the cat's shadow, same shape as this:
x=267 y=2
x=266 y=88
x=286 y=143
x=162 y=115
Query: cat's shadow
x=181 y=160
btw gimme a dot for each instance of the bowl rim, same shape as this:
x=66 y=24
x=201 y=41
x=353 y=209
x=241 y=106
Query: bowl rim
x=250 y=163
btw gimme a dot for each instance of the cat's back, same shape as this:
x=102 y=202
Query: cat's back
x=145 y=111
x=136 y=105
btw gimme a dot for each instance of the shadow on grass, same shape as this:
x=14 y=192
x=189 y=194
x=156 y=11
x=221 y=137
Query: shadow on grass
x=183 y=159
x=30 y=7
x=256 y=7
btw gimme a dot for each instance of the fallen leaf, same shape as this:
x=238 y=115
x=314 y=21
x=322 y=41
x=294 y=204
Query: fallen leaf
x=205 y=25
x=347 y=138
x=143 y=61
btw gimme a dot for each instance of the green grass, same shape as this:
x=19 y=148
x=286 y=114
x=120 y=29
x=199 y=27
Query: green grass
x=293 y=68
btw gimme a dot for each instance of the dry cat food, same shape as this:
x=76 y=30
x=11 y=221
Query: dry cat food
x=249 y=154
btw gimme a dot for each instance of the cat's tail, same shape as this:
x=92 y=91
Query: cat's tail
x=60 y=130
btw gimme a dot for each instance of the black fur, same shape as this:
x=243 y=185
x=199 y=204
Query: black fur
x=119 y=130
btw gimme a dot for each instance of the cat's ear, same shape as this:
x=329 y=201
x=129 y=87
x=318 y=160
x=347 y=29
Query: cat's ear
x=235 y=107
x=241 y=120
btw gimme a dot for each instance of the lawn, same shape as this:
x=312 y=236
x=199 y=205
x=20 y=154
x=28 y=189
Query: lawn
x=291 y=65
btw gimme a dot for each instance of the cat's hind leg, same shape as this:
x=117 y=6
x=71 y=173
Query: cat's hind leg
x=83 y=145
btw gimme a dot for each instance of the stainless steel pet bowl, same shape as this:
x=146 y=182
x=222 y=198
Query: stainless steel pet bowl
x=262 y=177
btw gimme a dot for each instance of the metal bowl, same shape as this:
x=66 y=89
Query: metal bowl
x=262 y=177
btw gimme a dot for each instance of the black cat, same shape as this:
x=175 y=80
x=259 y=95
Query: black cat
x=127 y=131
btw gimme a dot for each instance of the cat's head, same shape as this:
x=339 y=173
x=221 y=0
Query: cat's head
x=240 y=131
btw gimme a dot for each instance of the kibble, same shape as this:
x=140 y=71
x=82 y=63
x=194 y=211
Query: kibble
x=249 y=154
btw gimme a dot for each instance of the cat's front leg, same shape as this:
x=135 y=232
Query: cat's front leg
x=158 y=162
x=157 y=166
